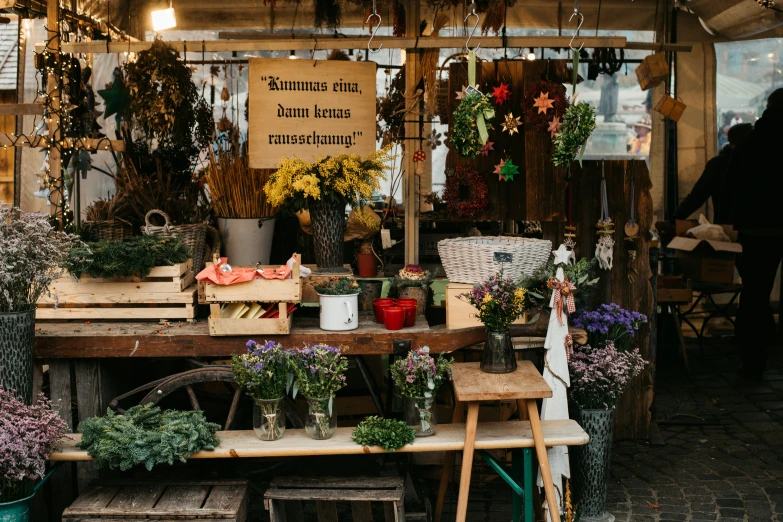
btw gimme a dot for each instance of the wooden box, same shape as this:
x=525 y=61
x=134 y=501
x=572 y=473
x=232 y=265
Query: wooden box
x=309 y=295
x=285 y=497
x=670 y=107
x=167 y=293
x=460 y=314
x=653 y=70
x=224 y=326
x=674 y=289
x=224 y=501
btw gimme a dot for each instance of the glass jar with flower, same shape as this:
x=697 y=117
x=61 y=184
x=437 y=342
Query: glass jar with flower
x=263 y=373
x=599 y=377
x=412 y=282
x=418 y=377
x=610 y=322
x=325 y=188
x=28 y=434
x=498 y=302
x=318 y=373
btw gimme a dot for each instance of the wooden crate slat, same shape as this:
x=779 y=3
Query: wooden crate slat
x=157 y=272
x=95 y=498
x=185 y=312
x=219 y=326
x=135 y=499
x=337 y=482
x=74 y=287
x=331 y=494
x=182 y=498
x=256 y=290
x=171 y=271
x=226 y=498
x=65 y=298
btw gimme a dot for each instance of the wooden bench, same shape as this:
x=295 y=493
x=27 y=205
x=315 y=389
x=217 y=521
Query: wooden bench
x=296 y=443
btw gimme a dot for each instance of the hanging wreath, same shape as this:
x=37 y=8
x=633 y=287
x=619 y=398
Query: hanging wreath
x=465 y=135
x=555 y=93
x=465 y=192
x=578 y=124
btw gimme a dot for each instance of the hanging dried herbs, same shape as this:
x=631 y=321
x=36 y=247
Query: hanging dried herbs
x=495 y=13
x=328 y=14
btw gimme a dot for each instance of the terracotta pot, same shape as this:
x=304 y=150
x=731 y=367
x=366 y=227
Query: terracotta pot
x=366 y=264
x=394 y=317
x=421 y=295
x=379 y=306
x=410 y=313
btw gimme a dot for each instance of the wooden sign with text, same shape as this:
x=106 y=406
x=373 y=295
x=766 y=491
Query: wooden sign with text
x=300 y=110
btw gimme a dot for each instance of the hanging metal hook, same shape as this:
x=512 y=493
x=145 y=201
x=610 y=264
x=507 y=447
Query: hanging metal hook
x=473 y=30
x=374 y=29
x=577 y=12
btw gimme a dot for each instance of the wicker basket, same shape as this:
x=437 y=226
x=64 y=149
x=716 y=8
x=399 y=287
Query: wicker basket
x=114 y=229
x=193 y=236
x=473 y=259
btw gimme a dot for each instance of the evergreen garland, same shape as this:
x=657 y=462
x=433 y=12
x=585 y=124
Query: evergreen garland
x=388 y=434
x=144 y=435
x=134 y=257
x=582 y=274
x=578 y=125
x=464 y=132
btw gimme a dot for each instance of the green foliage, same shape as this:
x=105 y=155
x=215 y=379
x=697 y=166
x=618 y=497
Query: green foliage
x=582 y=274
x=578 y=125
x=388 y=434
x=464 y=133
x=133 y=257
x=338 y=286
x=144 y=435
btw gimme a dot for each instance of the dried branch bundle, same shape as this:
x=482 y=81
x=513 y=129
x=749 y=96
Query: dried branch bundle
x=236 y=190
x=105 y=209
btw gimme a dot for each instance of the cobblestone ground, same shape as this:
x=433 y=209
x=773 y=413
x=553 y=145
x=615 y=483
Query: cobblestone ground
x=723 y=453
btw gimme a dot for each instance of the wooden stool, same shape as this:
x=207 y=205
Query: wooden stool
x=472 y=387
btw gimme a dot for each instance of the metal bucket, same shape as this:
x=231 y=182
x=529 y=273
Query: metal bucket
x=19 y=510
x=247 y=241
x=17 y=331
x=593 y=461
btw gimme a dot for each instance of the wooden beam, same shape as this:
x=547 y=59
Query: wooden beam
x=325 y=42
x=11 y=140
x=413 y=103
x=55 y=98
x=21 y=109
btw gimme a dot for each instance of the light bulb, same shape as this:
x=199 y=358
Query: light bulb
x=163 y=19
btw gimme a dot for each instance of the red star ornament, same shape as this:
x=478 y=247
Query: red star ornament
x=501 y=94
x=554 y=126
x=498 y=168
x=490 y=145
x=543 y=103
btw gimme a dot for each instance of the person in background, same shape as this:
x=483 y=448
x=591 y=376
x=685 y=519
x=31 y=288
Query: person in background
x=752 y=192
x=641 y=143
x=710 y=184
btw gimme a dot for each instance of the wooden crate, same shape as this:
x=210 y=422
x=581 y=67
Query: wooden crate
x=257 y=290
x=653 y=70
x=670 y=107
x=309 y=295
x=224 y=326
x=168 y=292
x=459 y=314
x=674 y=289
x=285 y=496
x=162 y=501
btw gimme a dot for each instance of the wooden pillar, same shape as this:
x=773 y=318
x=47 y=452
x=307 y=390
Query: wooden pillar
x=53 y=90
x=410 y=196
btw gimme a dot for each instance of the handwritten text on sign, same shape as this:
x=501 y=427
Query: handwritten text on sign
x=297 y=110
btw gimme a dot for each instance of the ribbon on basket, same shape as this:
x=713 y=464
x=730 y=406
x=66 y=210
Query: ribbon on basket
x=486 y=114
x=564 y=293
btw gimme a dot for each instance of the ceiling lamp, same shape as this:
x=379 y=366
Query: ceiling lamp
x=531 y=55
x=163 y=19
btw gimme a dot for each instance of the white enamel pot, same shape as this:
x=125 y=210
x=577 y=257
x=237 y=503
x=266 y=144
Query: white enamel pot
x=339 y=312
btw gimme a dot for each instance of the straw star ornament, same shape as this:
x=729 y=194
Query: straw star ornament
x=554 y=126
x=543 y=103
x=489 y=146
x=511 y=125
x=499 y=168
x=508 y=170
x=501 y=93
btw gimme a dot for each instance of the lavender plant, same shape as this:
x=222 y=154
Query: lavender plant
x=32 y=254
x=319 y=372
x=599 y=375
x=28 y=434
x=499 y=302
x=609 y=322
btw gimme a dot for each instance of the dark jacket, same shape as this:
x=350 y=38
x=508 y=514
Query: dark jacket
x=709 y=185
x=753 y=187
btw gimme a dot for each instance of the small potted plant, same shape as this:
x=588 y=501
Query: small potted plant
x=32 y=255
x=412 y=282
x=499 y=302
x=599 y=377
x=610 y=322
x=28 y=434
x=263 y=373
x=339 y=298
x=319 y=372
x=418 y=377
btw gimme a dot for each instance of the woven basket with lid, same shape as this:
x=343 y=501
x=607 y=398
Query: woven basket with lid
x=474 y=259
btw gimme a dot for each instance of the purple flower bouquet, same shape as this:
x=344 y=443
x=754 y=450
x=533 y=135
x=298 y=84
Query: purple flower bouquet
x=319 y=372
x=28 y=434
x=599 y=375
x=609 y=322
x=418 y=377
x=499 y=302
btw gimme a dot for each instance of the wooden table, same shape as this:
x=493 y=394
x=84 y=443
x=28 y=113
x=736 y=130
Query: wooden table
x=74 y=340
x=472 y=387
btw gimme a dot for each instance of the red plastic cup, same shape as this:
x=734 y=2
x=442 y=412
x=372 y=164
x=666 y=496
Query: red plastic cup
x=394 y=317
x=379 y=305
x=410 y=313
x=407 y=300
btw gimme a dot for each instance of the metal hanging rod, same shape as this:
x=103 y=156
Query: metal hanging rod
x=325 y=43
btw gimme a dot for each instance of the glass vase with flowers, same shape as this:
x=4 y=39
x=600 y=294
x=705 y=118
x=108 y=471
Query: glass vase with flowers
x=418 y=377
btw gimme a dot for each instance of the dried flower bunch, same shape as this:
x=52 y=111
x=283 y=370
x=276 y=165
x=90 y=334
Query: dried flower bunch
x=610 y=322
x=264 y=372
x=346 y=178
x=599 y=375
x=32 y=255
x=28 y=434
x=420 y=374
x=499 y=302
x=338 y=286
x=319 y=371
